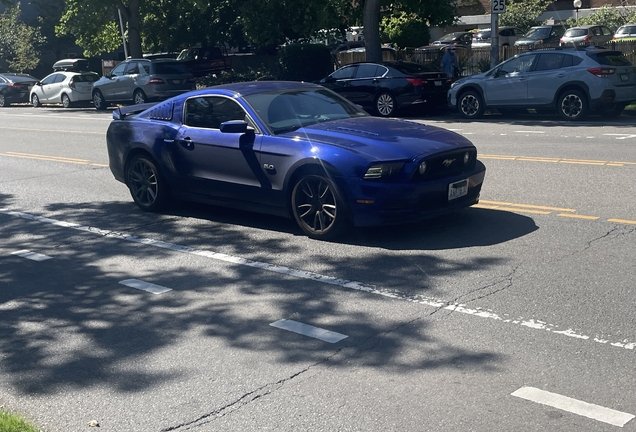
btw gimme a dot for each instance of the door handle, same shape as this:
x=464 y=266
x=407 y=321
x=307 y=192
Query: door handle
x=187 y=143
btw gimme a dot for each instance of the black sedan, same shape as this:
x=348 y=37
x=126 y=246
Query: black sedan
x=384 y=87
x=15 y=87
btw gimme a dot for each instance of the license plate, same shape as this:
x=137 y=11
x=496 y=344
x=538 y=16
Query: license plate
x=457 y=189
x=438 y=83
x=176 y=81
x=624 y=77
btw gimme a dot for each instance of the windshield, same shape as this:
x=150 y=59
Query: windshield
x=288 y=110
x=576 y=33
x=449 y=37
x=187 y=54
x=538 y=33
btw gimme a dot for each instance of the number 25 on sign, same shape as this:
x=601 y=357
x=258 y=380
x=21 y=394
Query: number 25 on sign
x=497 y=6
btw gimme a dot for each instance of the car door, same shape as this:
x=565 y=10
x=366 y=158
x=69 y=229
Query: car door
x=341 y=81
x=110 y=88
x=213 y=163
x=128 y=81
x=508 y=85
x=51 y=88
x=551 y=71
x=370 y=80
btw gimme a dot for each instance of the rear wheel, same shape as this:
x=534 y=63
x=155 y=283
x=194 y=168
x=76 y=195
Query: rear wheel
x=99 y=101
x=139 y=97
x=572 y=105
x=385 y=105
x=35 y=100
x=318 y=207
x=66 y=101
x=470 y=105
x=147 y=187
x=3 y=101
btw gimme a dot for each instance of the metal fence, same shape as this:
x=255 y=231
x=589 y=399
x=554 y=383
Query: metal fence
x=472 y=60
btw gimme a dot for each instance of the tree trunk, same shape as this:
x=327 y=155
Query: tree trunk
x=371 y=22
x=133 y=18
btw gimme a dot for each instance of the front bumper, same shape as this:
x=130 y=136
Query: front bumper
x=397 y=203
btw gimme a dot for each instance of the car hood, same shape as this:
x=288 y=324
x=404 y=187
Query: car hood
x=383 y=139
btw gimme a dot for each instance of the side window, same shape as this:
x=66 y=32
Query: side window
x=549 y=61
x=119 y=70
x=132 y=69
x=49 y=79
x=567 y=61
x=210 y=112
x=60 y=78
x=607 y=31
x=344 y=73
x=367 y=71
x=144 y=68
x=519 y=64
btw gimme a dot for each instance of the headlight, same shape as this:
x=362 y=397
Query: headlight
x=422 y=168
x=466 y=157
x=383 y=170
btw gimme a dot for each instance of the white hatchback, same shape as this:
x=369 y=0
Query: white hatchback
x=63 y=87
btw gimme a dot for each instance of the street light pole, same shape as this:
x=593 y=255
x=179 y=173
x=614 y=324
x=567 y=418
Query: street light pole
x=577 y=6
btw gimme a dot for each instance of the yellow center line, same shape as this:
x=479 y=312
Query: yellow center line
x=52 y=158
x=577 y=216
x=53 y=130
x=509 y=204
x=623 y=221
x=556 y=160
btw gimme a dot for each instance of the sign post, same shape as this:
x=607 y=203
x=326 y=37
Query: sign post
x=496 y=7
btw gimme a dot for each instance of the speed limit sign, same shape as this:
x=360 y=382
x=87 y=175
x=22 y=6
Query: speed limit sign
x=497 y=6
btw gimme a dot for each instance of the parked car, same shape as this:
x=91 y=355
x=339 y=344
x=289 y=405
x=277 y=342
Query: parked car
x=292 y=149
x=507 y=37
x=456 y=38
x=542 y=35
x=587 y=34
x=14 y=88
x=205 y=61
x=385 y=87
x=63 y=87
x=570 y=81
x=142 y=80
x=628 y=31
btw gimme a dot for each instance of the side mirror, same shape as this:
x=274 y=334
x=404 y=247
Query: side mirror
x=38 y=83
x=235 y=126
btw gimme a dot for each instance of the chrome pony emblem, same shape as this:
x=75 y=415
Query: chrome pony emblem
x=448 y=162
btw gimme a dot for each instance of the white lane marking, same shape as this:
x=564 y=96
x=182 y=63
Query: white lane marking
x=309 y=330
x=80 y=117
x=536 y=132
x=621 y=136
x=596 y=412
x=145 y=286
x=354 y=285
x=31 y=255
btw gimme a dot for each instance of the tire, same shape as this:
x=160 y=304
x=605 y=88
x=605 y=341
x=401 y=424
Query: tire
x=66 y=101
x=3 y=101
x=146 y=185
x=99 y=101
x=139 y=97
x=35 y=101
x=470 y=105
x=318 y=207
x=572 y=105
x=385 y=105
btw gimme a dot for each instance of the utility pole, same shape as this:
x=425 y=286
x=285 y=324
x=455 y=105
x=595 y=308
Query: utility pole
x=496 y=7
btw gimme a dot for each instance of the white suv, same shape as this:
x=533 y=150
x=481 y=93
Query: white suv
x=571 y=81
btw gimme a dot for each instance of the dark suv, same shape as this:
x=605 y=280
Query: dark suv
x=571 y=81
x=541 y=35
x=205 y=61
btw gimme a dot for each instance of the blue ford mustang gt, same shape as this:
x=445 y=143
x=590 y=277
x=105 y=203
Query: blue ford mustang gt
x=293 y=149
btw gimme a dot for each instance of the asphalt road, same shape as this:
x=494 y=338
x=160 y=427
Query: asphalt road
x=514 y=315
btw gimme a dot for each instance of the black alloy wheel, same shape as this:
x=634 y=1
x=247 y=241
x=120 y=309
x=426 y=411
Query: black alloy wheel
x=139 y=97
x=385 y=104
x=572 y=105
x=470 y=105
x=3 y=101
x=35 y=100
x=318 y=208
x=99 y=101
x=146 y=185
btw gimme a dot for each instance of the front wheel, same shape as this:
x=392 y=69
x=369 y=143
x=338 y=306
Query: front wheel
x=572 y=105
x=318 y=207
x=385 y=105
x=470 y=105
x=146 y=185
x=3 y=101
x=35 y=101
x=99 y=101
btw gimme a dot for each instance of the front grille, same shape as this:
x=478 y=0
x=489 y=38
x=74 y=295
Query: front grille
x=447 y=164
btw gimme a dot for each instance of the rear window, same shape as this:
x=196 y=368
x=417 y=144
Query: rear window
x=169 y=68
x=86 y=78
x=20 y=78
x=611 y=58
x=576 y=32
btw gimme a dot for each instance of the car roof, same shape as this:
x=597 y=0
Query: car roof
x=585 y=26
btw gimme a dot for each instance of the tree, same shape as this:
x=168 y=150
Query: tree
x=608 y=16
x=19 y=42
x=404 y=30
x=523 y=14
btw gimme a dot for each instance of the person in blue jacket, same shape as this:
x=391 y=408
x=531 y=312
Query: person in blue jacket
x=450 y=64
